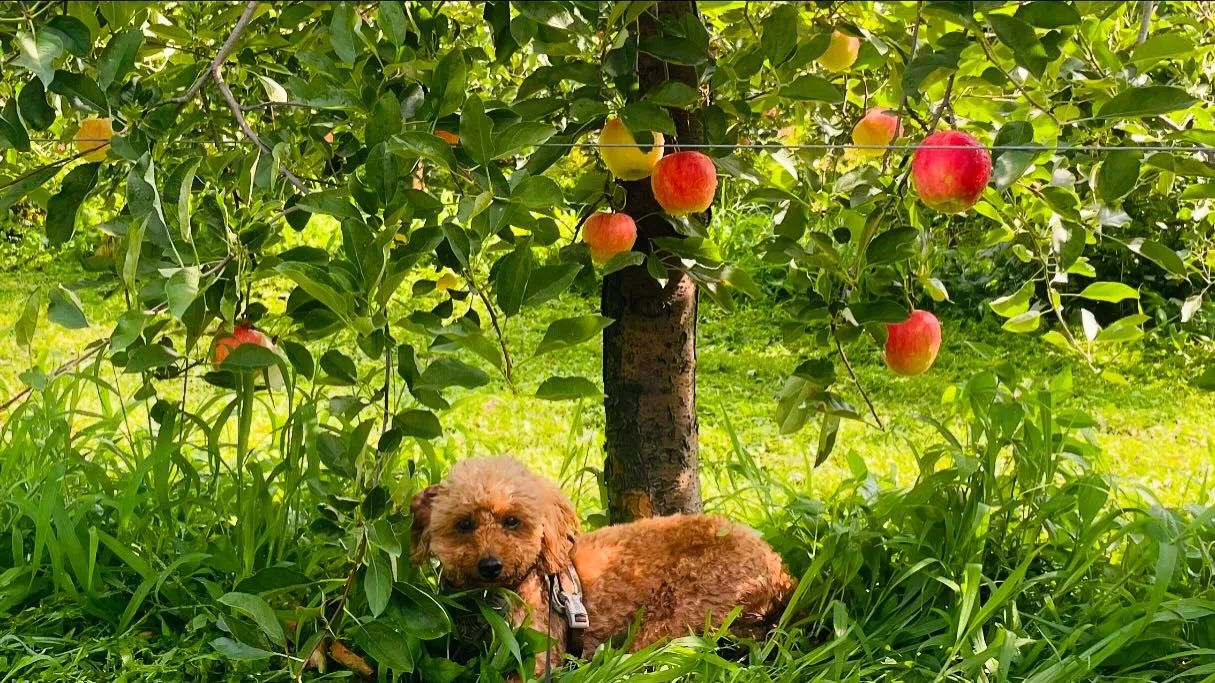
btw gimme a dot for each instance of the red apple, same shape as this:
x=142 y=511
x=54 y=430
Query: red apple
x=841 y=53
x=448 y=136
x=226 y=342
x=609 y=234
x=684 y=182
x=912 y=346
x=950 y=180
x=878 y=127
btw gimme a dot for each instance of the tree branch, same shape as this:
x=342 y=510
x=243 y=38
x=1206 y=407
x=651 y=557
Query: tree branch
x=1145 y=22
x=1021 y=89
x=493 y=319
x=898 y=114
x=220 y=57
x=248 y=131
x=844 y=357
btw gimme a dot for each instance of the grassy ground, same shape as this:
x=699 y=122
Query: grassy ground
x=1154 y=429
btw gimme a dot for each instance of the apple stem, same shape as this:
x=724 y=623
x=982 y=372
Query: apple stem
x=844 y=357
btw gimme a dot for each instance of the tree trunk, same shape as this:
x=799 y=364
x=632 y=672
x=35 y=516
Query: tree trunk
x=649 y=353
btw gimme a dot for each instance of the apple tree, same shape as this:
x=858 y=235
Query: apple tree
x=449 y=146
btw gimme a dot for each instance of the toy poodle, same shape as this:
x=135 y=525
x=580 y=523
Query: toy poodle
x=493 y=522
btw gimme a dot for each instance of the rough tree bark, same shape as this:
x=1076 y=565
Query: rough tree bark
x=649 y=353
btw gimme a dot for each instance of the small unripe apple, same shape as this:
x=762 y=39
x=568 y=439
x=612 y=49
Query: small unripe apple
x=93 y=137
x=950 y=180
x=841 y=52
x=627 y=163
x=226 y=342
x=684 y=182
x=609 y=234
x=878 y=127
x=447 y=136
x=446 y=281
x=912 y=345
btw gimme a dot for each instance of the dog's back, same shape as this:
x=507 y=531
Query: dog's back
x=678 y=569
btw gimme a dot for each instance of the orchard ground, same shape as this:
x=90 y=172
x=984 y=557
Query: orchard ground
x=1156 y=432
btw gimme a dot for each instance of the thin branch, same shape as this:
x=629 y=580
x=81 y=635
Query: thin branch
x=493 y=319
x=844 y=357
x=945 y=104
x=898 y=114
x=268 y=105
x=1145 y=22
x=220 y=56
x=244 y=126
x=1020 y=88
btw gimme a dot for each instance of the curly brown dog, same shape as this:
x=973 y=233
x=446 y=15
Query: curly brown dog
x=493 y=522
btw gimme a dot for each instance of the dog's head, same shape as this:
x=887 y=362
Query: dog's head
x=492 y=522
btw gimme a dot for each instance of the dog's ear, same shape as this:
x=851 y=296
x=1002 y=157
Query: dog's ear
x=560 y=527
x=420 y=508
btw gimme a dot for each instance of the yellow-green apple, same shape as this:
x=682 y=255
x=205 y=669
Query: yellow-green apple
x=627 y=163
x=878 y=127
x=912 y=345
x=950 y=169
x=608 y=234
x=841 y=52
x=93 y=137
x=684 y=182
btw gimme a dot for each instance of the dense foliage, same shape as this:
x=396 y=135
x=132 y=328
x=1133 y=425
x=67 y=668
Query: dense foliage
x=414 y=176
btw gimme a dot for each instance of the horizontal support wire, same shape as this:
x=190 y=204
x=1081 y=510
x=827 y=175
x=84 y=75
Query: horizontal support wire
x=1193 y=149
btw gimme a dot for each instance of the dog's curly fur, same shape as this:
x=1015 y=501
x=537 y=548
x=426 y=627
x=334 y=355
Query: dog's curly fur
x=677 y=569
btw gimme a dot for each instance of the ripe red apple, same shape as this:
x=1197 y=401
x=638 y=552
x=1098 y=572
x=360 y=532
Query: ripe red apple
x=841 y=52
x=877 y=127
x=226 y=342
x=448 y=136
x=684 y=182
x=950 y=180
x=627 y=163
x=912 y=346
x=609 y=234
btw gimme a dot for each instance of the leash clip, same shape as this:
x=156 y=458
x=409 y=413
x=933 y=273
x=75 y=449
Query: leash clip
x=570 y=604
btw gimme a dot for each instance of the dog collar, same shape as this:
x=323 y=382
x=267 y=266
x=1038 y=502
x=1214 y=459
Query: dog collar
x=565 y=594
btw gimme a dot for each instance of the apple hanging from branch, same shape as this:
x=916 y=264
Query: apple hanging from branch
x=950 y=169
x=608 y=234
x=627 y=163
x=684 y=183
x=912 y=345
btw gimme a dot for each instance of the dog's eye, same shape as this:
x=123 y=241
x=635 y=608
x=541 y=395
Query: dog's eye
x=510 y=522
x=465 y=525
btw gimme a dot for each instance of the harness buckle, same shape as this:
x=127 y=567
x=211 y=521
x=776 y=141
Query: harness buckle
x=575 y=611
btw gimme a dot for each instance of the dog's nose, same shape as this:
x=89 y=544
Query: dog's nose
x=489 y=567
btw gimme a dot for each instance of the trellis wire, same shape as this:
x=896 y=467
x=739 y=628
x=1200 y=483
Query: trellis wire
x=1194 y=149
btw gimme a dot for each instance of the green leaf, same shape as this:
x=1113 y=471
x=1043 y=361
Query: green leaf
x=377 y=582
x=79 y=88
x=18 y=189
x=261 y=613
x=127 y=330
x=27 y=324
x=1024 y=322
x=342 y=32
x=300 y=358
x=1109 y=291
x=1014 y=304
x=519 y=136
x=1118 y=175
x=510 y=278
x=72 y=33
x=393 y=22
x=538 y=192
x=35 y=111
x=421 y=424
x=779 y=37
x=382 y=174
x=739 y=279
x=1199 y=191
x=427 y=146
x=567 y=332
x=12 y=131
x=1023 y=40
x=644 y=116
x=385 y=119
x=118 y=58
x=1161 y=47
x=65 y=310
x=457 y=241
x=339 y=367
x=880 y=311
x=547 y=282
x=476 y=131
x=448 y=372
x=1190 y=307
x=150 y=357
x=1048 y=14
x=38 y=54
x=447 y=83
x=331 y=203
x=1148 y=100
x=181 y=290
x=1010 y=165
x=1123 y=330
x=1206 y=381
x=250 y=357
x=390 y=648
x=567 y=388
x=673 y=94
x=62 y=208
x=673 y=49
x=892 y=246
x=1161 y=255
x=808 y=87
x=183 y=201
x=239 y=651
